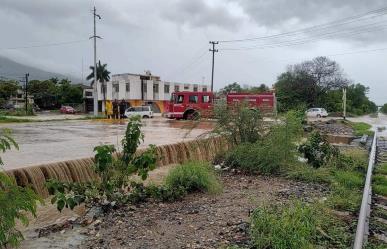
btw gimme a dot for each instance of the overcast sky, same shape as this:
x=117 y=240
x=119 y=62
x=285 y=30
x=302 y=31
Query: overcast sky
x=170 y=38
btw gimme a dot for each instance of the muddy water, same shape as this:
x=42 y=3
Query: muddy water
x=48 y=142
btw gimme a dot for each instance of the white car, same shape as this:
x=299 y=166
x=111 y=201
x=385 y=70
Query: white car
x=316 y=113
x=143 y=111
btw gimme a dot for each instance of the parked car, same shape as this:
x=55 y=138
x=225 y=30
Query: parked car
x=143 y=111
x=67 y=110
x=316 y=113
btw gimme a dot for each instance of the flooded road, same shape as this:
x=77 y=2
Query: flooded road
x=45 y=142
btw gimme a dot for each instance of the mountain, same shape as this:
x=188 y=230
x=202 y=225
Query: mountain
x=10 y=69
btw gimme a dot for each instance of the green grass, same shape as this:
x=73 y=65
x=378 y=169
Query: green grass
x=361 y=128
x=194 y=177
x=298 y=225
x=290 y=226
x=381 y=169
x=13 y=120
x=349 y=179
x=306 y=173
x=345 y=199
x=379 y=180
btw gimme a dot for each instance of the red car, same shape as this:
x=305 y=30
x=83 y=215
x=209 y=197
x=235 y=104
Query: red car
x=67 y=110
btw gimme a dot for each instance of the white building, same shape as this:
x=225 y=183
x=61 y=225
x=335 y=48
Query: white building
x=140 y=89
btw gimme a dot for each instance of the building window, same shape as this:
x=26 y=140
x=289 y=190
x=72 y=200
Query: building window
x=193 y=99
x=206 y=99
x=195 y=89
x=116 y=87
x=144 y=87
x=88 y=94
x=204 y=89
x=156 y=88
x=186 y=87
x=176 y=88
x=127 y=85
x=166 y=88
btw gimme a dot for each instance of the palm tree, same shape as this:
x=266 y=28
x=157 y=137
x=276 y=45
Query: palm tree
x=103 y=75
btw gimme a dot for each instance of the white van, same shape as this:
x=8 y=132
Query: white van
x=143 y=111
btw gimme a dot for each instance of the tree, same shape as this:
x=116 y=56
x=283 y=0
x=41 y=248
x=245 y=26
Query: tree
x=103 y=75
x=309 y=82
x=69 y=93
x=258 y=89
x=8 y=88
x=45 y=93
x=231 y=88
x=384 y=109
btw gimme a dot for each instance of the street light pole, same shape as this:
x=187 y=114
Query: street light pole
x=95 y=89
x=344 y=103
x=213 y=50
x=26 y=92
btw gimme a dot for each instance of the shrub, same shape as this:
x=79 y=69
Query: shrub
x=15 y=201
x=193 y=177
x=273 y=153
x=114 y=173
x=317 y=150
x=238 y=124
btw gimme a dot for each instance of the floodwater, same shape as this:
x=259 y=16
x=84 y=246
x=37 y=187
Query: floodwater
x=46 y=142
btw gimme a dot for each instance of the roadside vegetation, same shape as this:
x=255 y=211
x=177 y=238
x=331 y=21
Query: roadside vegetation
x=361 y=128
x=282 y=149
x=384 y=109
x=319 y=83
x=15 y=202
x=116 y=185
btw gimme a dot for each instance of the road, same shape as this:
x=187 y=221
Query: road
x=45 y=142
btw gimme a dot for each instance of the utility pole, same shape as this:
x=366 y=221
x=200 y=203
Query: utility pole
x=213 y=50
x=344 y=103
x=95 y=89
x=26 y=92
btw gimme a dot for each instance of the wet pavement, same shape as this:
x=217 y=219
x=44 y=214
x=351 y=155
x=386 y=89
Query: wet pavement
x=54 y=141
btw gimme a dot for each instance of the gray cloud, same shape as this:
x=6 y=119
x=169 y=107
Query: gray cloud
x=169 y=37
x=285 y=15
x=200 y=14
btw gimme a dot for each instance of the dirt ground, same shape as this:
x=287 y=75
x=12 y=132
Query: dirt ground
x=200 y=220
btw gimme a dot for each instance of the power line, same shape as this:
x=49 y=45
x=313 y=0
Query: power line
x=320 y=37
x=45 y=45
x=347 y=20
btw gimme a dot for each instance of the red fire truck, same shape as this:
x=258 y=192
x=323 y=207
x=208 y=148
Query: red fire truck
x=190 y=105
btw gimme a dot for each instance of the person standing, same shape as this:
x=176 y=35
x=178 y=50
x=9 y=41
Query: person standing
x=115 y=109
x=109 y=109
x=122 y=108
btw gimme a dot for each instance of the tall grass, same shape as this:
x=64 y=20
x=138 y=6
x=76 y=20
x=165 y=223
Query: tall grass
x=361 y=128
x=194 y=177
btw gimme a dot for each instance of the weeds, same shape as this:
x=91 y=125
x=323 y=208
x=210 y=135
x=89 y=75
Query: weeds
x=193 y=177
x=297 y=225
x=270 y=155
x=361 y=128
